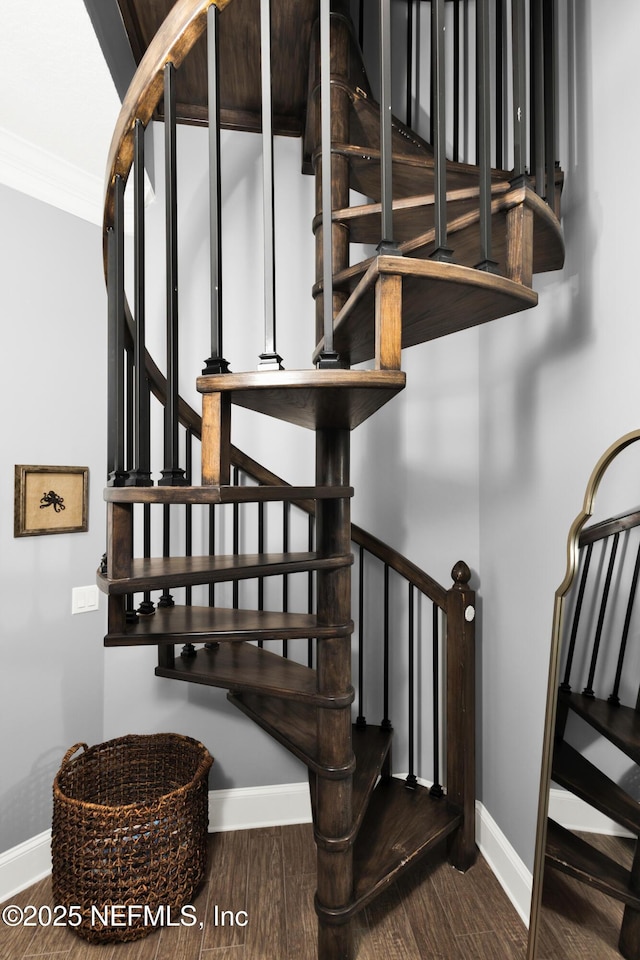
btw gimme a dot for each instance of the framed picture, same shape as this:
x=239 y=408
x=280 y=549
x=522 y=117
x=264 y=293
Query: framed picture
x=50 y=500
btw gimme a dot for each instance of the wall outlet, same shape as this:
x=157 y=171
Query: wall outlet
x=84 y=599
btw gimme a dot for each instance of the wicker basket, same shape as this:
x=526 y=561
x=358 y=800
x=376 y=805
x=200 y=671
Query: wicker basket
x=130 y=819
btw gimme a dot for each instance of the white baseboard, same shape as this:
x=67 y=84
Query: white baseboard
x=574 y=814
x=512 y=874
x=246 y=808
x=25 y=864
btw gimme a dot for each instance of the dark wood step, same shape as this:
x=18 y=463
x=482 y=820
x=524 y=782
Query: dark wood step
x=182 y=624
x=399 y=827
x=574 y=856
x=316 y=399
x=619 y=724
x=437 y=299
x=242 y=666
x=223 y=494
x=157 y=573
x=575 y=773
x=413 y=228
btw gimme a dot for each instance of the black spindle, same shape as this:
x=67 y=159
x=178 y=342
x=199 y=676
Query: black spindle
x=236 y=538
x=484 y=133
x=588 y=690
x=116 y=321
x=409 y=107
x=387 y=244
x=499 y=88
x=261 y=550
x=310 y=543
x=269 y=359
x=328 y=358
x=565 y=686
x=456 y=80
x=436 y=788
x=411 y=780
x=285 y=576
x=614 y=696
x=439 y=139
x=140 y=475
x=518 y=29
x=146 y=607
x=361 y=719
x=386 y=722
x=550 y=136
x=172 y=474
x=216 y=362
x=212 y=550
x=537 y=95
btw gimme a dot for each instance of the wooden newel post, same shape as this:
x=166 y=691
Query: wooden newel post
x=461 y=754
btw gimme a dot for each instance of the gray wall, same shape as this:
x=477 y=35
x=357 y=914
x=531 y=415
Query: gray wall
x=52 y=384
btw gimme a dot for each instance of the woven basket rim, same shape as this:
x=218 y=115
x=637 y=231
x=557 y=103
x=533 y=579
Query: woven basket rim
x=204 y=765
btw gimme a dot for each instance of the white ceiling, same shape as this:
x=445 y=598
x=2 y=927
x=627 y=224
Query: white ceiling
x=58 y=105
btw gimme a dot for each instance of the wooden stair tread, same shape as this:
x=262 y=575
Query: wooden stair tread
x=619 y=724
x=399 y=827
x=437 y=299
x=414 y=231
x=574 y=856
x=157 y=573
x=371 y=745
x=222 y=494
x=575 y=773
x=339 y=399
x=243 y=666
x=198 y=624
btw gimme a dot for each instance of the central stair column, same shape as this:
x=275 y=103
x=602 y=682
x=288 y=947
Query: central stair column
x=335 y=754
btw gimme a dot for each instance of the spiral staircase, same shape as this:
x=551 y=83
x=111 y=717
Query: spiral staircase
x=467 y=239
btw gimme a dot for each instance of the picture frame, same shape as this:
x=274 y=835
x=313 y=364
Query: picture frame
x=50 y=499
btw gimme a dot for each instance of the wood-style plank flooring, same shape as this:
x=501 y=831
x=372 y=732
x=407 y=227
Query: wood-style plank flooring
x=270 y=874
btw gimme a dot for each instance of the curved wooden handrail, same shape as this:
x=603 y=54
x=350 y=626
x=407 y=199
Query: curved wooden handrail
x=183 y=26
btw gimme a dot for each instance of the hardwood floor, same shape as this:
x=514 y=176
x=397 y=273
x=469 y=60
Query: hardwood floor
x=270 y=874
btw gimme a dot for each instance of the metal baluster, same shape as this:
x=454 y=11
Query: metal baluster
x=115 y=384
x=386 y=722
x=456 y=80
x=387 y=245
x=588 y=690
x=441 y=251
x=614 y=696
x=565 y=686
x=409 y=107
x=411 y=781
x=537 y=95
x=518 y=32
x=261 y=550
x=550 y=72
x=436 y=788
x=140 y=475
x=270 y=358
x=285 y=576
x=188 y=649
x=361 y=24
x=361 y=719
x=129 y=403
x=310 y=544
x=484 y=134
x=216 y=362
x=499 y=90
x=172 y=474
x=328 y=358
x=236 y=538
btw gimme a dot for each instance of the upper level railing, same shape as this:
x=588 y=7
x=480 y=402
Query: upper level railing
x=469 y=67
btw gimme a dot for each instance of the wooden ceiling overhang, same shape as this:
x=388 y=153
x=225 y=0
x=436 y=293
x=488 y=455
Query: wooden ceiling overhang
x=239 y=63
